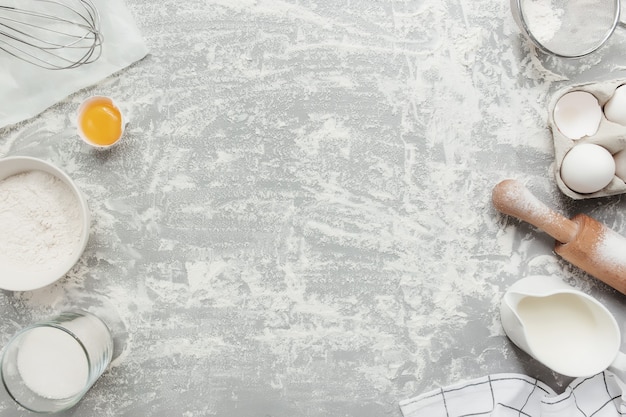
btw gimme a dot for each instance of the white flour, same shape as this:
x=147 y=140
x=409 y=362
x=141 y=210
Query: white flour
x=569 y=27
x=40 y=222
x=543 y=18
x=611 y=248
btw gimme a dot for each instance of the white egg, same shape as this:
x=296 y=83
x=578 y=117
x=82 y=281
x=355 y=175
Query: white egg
x=620 y=164
x=577 y=114
x=615 y=108
x=587 y=168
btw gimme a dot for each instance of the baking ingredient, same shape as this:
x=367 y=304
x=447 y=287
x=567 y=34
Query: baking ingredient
x=615 y=108
x=577 y=114
x=100 y=122
x=620 y=164
x=52 y=363
x=569 y=28
x=565 y=333
x=40 y=222
x=542 y=18
x=587 y=168
x=612 y=248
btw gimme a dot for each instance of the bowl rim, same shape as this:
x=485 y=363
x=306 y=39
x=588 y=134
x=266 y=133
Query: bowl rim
x=13 y=165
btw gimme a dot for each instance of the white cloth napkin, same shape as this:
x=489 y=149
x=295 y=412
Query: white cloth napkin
x=27 y=90
x=504 y=395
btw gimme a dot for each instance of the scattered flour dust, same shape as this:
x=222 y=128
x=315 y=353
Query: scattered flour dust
x=612 y=248
x=40 y=222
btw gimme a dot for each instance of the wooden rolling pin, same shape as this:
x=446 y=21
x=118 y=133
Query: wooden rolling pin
x=583 y=241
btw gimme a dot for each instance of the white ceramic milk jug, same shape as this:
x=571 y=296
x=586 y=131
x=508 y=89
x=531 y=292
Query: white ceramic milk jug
x=565 y=329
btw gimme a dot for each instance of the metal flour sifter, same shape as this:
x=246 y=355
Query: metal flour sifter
x=567 y=28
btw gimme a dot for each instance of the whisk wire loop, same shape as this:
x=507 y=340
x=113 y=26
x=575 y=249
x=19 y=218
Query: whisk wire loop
x=51 y=34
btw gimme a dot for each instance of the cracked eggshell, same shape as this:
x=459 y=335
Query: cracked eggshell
x=577 y=114
x=609 y=135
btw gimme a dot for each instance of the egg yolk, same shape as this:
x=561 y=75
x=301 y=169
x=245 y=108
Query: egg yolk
x=101 y=123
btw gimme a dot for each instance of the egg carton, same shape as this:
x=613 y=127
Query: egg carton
x=610 y=135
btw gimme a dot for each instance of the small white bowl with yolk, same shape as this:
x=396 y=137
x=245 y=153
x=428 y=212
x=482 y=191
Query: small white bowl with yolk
x=100 y=122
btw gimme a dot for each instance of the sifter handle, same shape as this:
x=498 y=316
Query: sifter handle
x=513 y=198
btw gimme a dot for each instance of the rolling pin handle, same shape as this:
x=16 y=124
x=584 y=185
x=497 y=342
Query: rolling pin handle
x=513 y=198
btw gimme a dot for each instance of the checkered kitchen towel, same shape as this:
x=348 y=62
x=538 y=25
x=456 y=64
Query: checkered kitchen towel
x=508 y=395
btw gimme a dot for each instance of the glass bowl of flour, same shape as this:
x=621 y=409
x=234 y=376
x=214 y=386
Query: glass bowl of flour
x=44 y=223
